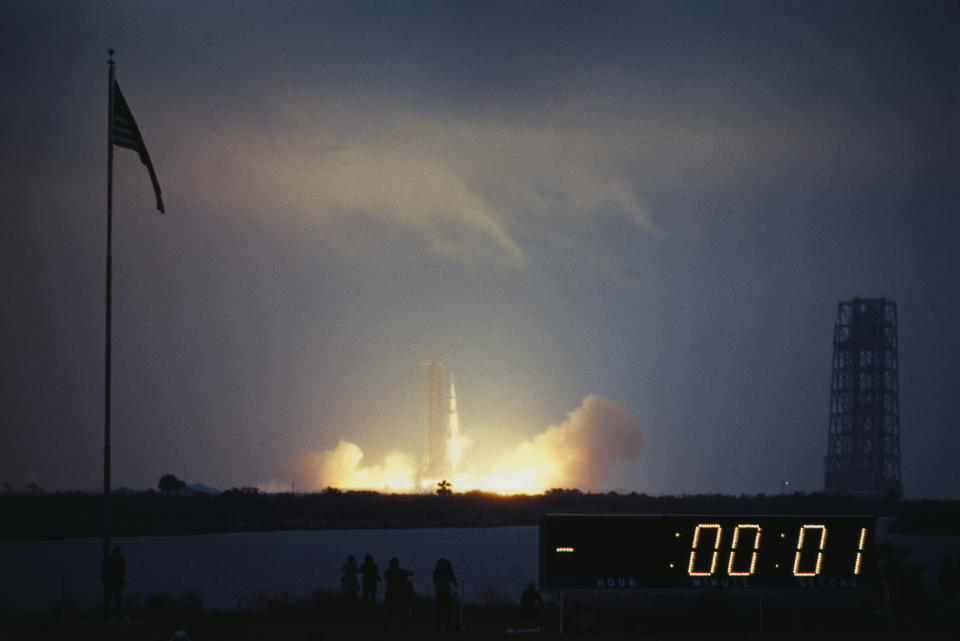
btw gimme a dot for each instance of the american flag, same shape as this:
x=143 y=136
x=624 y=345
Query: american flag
x=127 y=134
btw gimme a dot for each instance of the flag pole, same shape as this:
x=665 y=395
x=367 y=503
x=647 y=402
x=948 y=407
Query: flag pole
x=106 y=412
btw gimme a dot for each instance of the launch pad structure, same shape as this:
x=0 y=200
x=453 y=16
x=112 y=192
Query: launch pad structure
x=863 y=447
x=445 y=444
x=432 y=465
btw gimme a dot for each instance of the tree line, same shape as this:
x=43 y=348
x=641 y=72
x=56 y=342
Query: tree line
x=69 y=515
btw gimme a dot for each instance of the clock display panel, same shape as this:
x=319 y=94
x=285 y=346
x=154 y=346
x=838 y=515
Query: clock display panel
x=706 y=552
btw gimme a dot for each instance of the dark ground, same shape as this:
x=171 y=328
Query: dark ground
x=329 y=617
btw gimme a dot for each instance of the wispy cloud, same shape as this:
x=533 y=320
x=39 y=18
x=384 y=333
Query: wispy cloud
x=467 y=189
x=397 y=184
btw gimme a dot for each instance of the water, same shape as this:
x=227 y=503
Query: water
x=224 y=569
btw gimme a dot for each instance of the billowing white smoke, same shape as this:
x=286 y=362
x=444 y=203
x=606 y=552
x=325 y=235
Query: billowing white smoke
x=340 y=467
x=578 y=453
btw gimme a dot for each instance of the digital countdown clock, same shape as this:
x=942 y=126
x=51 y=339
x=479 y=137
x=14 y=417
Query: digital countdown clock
x=706 y=552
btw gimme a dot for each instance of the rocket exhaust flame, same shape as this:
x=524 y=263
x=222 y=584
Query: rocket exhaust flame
x=578 y=453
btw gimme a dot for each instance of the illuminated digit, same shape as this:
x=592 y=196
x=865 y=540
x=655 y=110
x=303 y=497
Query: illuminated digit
x=820 y=546
x=753 y=554
x=859 y=561
x=696 y=541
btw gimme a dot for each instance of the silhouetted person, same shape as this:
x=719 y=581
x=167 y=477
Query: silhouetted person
x=892 y=577
x=530 y=600
x=399 y=593
x=350 y=582
x=916 y=598
x=371 y=575
x=947 y=579
x=443 y=580
x=113 y=573
x=897 y=578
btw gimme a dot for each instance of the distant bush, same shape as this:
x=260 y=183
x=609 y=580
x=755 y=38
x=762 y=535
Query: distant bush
x=65 y=603
x=495 y=599
x=187 y=602
x=244 y=491
x=260 y=602
x=170 y=484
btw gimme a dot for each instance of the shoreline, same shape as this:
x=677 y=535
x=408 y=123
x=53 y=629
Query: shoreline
x=75 y=515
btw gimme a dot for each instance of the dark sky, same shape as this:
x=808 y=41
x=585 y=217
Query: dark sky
x=618 y=219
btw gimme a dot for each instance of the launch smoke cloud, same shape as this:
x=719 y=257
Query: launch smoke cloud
x=578 y=453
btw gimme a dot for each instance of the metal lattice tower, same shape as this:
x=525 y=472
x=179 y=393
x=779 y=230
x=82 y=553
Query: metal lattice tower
x=863 y=448
x=433 y=455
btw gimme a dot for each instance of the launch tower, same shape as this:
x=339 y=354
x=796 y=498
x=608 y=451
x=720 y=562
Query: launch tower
x=435 y=448
x=863 y=447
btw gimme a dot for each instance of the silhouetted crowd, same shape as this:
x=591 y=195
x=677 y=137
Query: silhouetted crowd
x=901 y=597
x=359 y=585
x=399 y=594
